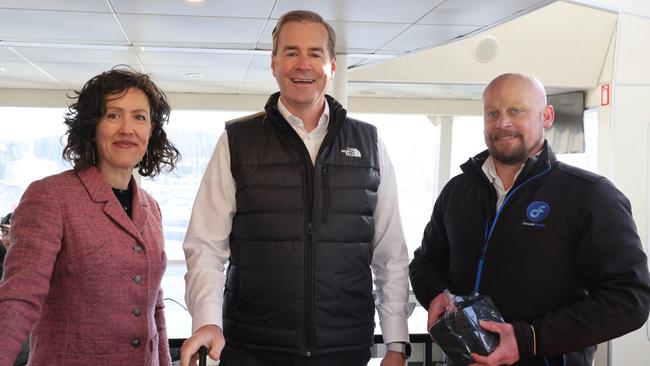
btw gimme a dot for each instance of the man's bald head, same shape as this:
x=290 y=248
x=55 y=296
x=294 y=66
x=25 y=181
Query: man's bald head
x=535 y=84
x=515 y=116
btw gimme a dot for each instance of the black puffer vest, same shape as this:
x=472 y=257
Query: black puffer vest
x=299 y=279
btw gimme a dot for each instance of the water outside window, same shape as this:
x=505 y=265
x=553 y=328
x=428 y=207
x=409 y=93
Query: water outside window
x=29 y=150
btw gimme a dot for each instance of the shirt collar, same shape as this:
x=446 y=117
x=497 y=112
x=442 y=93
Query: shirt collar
x=297 y=123
x=491 y=171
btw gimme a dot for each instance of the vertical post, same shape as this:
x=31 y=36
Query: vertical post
x=340 y=82
x=444 y=123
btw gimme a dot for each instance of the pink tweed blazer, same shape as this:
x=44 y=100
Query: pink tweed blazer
x=85 y=276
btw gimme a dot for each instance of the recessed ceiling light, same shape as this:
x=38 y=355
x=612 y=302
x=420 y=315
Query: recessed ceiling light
x=195 y=75
x=194 y=1
x=2 y=69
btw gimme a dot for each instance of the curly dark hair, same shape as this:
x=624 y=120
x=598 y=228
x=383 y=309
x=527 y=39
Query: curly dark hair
x=90 y=106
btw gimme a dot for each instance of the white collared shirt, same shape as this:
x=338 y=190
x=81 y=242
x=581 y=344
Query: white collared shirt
x=207 y=247
x=313 y=139
x=491 y=173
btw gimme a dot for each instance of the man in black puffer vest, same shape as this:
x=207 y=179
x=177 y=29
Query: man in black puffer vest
x=301 y=201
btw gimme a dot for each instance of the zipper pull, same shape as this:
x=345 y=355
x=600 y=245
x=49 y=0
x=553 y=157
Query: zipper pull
x=310 y=229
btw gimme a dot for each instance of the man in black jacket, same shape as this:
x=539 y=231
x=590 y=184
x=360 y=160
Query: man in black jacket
x=300 y=200
x=553 y=245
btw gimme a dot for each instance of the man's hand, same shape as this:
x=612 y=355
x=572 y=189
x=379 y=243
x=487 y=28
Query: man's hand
x=209 y=336
x=506 y=352
x=437 y=308
x=392 y=358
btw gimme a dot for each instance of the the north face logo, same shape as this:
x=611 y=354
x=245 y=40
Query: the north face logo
x=352 y=152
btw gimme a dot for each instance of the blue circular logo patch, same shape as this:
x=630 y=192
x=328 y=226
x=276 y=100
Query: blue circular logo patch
x=537 y=211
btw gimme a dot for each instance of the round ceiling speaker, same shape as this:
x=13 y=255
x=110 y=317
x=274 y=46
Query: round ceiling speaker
x=486 y=49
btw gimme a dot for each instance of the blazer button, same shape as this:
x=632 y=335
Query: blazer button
x=138 y=248
x=137 y=279
x=137 y=312
x=135 y=343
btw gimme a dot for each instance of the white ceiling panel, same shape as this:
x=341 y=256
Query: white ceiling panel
x=221 y=8
x=385 y=11
x=7 y=55
x=189 y=31
x=73 y=75
x=455 y=12
x=261 y=75
x=15 y=72
x=209 y=74
x=67 y=5
x=78 y=55
x=365 y=35
x=261 y=62
x=425 y=36
x=216 y=60
x=58 y=26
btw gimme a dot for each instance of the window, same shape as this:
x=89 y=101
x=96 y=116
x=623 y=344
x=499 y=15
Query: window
x=29 y=150
x=467 y=141
x=195 y=134
x=410 y=141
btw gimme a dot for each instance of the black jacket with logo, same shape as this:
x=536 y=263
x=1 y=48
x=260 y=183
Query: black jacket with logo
x=299 y=279
x=563 y=256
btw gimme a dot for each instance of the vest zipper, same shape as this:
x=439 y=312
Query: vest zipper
x=309 y=289
x=309 y=249
x=326 y=193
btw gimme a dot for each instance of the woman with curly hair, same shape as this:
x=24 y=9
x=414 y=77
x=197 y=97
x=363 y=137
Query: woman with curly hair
x=87 y=253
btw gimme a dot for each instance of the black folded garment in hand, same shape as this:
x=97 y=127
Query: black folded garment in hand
x=458 y=333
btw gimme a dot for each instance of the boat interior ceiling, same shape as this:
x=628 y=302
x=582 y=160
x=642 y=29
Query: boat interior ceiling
x=442 y=49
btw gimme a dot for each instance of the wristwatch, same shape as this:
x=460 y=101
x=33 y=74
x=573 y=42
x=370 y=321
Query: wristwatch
x=403 y=348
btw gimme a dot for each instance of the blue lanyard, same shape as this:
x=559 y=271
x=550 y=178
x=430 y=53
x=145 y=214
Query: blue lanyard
x=488 y=233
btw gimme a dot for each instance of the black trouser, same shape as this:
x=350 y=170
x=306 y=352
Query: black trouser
x=237 y=357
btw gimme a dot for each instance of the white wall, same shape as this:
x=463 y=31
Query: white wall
x=562 y=44
x=628 y=147
x=624 y=138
